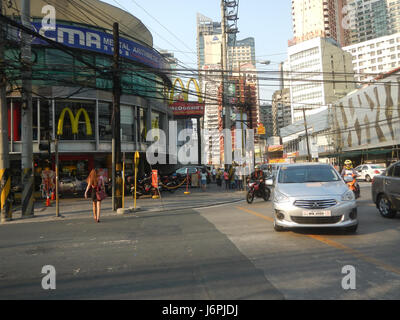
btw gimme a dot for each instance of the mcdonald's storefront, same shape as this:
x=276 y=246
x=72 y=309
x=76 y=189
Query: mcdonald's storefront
x=83 y=126
x=73 y=101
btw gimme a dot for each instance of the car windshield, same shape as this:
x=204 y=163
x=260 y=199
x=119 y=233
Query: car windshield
x=302 y=174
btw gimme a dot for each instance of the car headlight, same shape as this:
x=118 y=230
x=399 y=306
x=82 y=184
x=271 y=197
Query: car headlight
x=348 y=196
x=280 y=197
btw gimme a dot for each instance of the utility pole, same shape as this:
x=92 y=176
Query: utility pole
x=116 y=126
x=57 y=176
x=26 y=130
x=224 y=68
x=308 y=144
x=5 y=176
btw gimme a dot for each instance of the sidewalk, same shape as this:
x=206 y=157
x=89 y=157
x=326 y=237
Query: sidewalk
x=81 y=208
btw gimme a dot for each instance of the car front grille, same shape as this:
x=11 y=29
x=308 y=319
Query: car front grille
x=315 y=204
x=316 y=220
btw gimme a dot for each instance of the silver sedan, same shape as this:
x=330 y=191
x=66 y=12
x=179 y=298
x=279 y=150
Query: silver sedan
x=312 y=195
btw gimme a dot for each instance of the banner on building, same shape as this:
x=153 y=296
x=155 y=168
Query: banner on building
x=368 y=118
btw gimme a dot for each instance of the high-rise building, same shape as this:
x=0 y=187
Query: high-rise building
x=320 y=73
x=206 y=30
x=242 y=52
x=369 y=19
x=281 y=110
x=316 y=18
x=366 y=20
x=241 y=64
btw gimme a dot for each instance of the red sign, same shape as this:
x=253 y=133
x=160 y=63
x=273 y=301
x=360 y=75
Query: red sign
x=181 y=108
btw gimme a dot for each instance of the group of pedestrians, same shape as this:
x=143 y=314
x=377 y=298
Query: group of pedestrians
x=231 y=178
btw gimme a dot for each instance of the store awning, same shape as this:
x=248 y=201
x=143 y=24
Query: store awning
x=360 y=152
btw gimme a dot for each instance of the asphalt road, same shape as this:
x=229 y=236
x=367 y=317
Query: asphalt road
x=228 y=252
x=307 y=264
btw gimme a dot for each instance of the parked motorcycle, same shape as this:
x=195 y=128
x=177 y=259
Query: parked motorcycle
x=351 y=182
x=256 y=191
x=143 y=187
x=168 y=183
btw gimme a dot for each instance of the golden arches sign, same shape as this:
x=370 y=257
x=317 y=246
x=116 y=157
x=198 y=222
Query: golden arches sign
x=185 y=91
x=74 y=121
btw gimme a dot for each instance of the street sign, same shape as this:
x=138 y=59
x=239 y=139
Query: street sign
x=261 y=129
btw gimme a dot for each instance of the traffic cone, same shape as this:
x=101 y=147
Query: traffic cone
x=53 y=197
x=47 y=202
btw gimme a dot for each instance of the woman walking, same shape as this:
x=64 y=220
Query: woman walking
x=96 y=184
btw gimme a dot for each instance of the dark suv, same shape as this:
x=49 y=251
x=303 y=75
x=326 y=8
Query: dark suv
x=386 y=191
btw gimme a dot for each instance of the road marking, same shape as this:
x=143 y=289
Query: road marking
x=256 y=214
x=336 y=245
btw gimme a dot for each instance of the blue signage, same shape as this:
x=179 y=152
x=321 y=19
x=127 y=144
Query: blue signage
x=88 y=39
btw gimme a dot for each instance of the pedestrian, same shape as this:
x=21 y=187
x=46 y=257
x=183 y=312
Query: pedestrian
x=236 y=181
x=214 y=174
x=96 y=185
x=203 y=180
x=219 y=178
x=226 y=178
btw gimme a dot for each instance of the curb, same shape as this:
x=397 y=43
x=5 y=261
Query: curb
x=120 y=212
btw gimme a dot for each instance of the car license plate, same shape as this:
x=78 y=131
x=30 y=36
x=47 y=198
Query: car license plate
x=325 y=213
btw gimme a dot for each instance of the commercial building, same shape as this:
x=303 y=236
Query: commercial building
x=281 y=110
x=320 y=139
x=320 y=72
x=242 y=52
x=72 y=89
x=375 y=56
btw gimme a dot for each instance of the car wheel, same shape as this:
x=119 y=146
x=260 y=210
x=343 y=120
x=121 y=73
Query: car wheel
x=278 y=228
x=368 y=178
x=352 y=229
x=385 y=207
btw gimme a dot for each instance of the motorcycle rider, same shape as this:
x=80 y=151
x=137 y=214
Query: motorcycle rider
x=259 y=177
x=348 y=170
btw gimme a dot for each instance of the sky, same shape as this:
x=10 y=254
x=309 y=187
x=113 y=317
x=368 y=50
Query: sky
x=173 y=26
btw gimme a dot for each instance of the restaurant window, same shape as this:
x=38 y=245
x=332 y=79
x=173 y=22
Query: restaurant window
x=105 y=128
x=141 y=124
x=46 y=120
x=128 y=123
x=76 y=119
x=155 y=122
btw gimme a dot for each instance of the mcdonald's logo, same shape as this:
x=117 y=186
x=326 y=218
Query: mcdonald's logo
x=74 y=121
x=185 y=91
x=186 y=108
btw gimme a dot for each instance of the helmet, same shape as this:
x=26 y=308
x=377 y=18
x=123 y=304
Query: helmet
x=348 y=163
x=257 y=167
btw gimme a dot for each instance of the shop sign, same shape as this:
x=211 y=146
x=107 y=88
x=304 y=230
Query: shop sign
x=275 y=148
x=185 y=107
x=101 y=42
x=74 y=121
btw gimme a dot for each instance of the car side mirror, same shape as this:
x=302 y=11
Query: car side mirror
x=269 y=182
